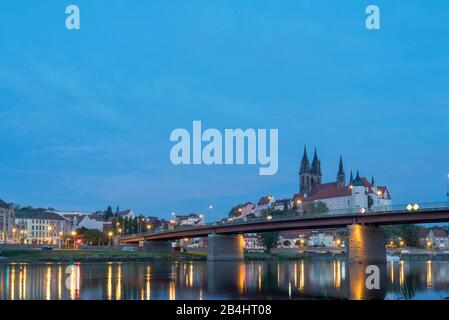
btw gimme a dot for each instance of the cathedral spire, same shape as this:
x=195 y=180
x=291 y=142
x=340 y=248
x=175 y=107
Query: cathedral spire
x=372 y=180
x=305 y=164
x=351 y=179
x=341 y=171
x=341 y=178
x=316 y=165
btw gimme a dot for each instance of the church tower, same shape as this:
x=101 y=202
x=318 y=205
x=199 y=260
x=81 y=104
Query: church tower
x=305 y=177
x=315 y=170
x=341 y=178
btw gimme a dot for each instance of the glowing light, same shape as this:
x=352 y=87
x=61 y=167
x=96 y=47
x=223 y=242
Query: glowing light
x=269 y=217
x=416 y=207
x=362 y=210
x=409 y=207
x=429 y=274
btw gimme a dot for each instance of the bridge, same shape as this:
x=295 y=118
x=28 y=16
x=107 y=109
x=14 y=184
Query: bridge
x=366 y=242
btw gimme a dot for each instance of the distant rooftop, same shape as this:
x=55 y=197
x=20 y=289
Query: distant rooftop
x=37 y=214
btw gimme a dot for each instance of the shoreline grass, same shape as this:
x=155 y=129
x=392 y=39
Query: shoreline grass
x=37 y=256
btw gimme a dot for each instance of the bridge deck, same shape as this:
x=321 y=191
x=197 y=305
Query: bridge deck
x=292 y=222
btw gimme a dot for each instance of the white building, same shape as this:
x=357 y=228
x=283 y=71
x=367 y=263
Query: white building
x=322 y=239
x=92 y=221
x=265 y=202
x=39 y=226
x=126 y=214
x=251 y=242
x=294 y=238
x=357 y=195
x=7 y=216
x=282 y=204
x=433 y=238
x=189 y=220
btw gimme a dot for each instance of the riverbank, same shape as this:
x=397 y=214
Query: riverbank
x=42 y=256
x=37 y=255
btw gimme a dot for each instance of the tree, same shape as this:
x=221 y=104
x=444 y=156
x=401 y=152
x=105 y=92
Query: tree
x=108 y=213
x=319 y=207
x=409 y=233
x=81 y=231
x=93 y=236
x=269 y=240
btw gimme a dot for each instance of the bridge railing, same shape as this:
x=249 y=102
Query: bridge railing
x=403 y=208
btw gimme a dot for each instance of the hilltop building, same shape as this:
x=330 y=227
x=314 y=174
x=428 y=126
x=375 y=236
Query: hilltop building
x=358 y=193
x=192 y=219
x=264 y=203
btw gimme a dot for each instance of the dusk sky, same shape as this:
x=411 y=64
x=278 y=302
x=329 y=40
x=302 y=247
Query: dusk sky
x=86 y=115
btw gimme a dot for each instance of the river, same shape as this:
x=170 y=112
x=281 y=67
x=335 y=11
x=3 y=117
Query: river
x=302 y=279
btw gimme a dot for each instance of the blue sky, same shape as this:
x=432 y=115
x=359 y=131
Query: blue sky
x=85 y=116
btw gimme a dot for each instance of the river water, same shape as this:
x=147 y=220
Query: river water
x=302 y=279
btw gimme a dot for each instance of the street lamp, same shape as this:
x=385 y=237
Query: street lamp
x=50 y=228
x=110 y=234
x=149 y=227
x=14 y=234
x=73 y=233
x=60 y=239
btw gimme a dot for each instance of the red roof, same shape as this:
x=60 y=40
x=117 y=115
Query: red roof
x=324 y=191
x=124 y=213
x=384 y=192
x=424 y=233
x=264 y=200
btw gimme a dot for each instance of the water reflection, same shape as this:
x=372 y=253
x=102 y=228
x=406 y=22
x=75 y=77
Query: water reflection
x=303 y=279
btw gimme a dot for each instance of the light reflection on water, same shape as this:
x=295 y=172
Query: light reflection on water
x=302 y=279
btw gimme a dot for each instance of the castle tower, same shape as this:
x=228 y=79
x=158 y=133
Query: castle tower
x=315 y=170
x=341 y=178
x=304 y=174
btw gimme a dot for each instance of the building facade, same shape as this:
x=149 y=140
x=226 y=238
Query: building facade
x=264 y=203
x=39 y=226
x=7 y=218
x=192 y=219
x=357 y=194
x=434 y=238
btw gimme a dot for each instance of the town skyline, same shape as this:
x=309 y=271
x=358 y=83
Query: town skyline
x=350 y=174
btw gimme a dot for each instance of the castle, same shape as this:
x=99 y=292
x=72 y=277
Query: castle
x=359 y=193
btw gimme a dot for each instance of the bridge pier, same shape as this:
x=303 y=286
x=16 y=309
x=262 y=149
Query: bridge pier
x=366 y=244
x=222 y=247
x=158 y=246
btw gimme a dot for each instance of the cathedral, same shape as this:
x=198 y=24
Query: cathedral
x=358 y=193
